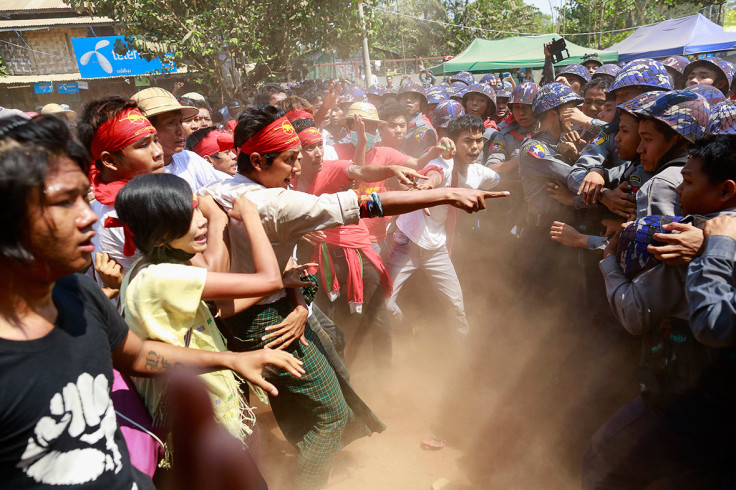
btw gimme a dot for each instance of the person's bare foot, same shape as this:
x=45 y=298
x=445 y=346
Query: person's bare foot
x=567 y=235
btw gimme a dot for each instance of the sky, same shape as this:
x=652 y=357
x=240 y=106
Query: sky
x=544 y=5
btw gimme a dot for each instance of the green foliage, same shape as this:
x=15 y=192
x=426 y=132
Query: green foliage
x=586 y=16
x=261 y=39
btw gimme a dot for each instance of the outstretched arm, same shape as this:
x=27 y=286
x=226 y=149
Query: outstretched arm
x=152 y=358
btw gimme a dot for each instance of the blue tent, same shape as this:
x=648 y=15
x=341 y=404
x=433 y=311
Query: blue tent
x=686 y=35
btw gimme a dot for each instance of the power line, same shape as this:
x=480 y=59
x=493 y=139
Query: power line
x=495 y=31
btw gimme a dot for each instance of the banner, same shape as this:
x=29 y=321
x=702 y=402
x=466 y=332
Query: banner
x=68 y=88
x=43 y=88
x=96 y=58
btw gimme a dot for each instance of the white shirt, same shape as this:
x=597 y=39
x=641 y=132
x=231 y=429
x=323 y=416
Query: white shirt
x=329 y=153
x=194 y=169
x=286 y=215
x=428 y=232
x=109 y=240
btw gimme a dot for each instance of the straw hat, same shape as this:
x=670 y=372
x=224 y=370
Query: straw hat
x=365 y=110
x=57 y=110
x=155 y=100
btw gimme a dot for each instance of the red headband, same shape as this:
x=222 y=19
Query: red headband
x=276 y=137
x=225 y=141
x=120 y=131
x=299 y=114
x=208 y=145
x=310 y=136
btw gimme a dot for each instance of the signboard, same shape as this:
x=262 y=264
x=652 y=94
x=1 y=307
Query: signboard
x=43 y=88
x=97 y=58
x=68 y=88
x=83 y=85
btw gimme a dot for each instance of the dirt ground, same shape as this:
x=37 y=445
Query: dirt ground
x=517 y=402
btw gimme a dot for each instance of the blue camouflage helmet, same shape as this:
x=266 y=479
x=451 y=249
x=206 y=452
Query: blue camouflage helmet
x=631 y=253
x=464 y=76
x=391 y=90
x=644 y=72
x=677 y=63
x=491 y=79
x=723 y=66
x=376 y=89
x=524 y=93
x=445 y=112
x=554 y=95
x=722 y=118
x=684 y=111
x=415 y=88
x=609 y=70
x=502 y=93
x=711 y=94
x=437 y=94
x=353 y=94
x=576 y=69
x=483 y=89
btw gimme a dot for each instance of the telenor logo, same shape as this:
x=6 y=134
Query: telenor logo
x=101 y=60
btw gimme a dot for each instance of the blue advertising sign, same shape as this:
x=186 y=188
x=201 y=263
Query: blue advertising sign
x=96 y=59
x=43 y=88
x=68 y=88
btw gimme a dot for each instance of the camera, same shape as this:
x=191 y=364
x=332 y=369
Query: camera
x=556 y=49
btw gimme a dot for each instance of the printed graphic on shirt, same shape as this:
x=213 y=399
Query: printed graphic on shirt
x=536 y=150
x=497 y=146
x=635 y=182
x=74 y=443
x=600 y=139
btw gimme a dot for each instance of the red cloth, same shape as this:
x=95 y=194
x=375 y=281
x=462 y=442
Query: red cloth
x=128 y=246
x=225 y=141
x=378 y=155
x=490 y=123
x=276 y=137
x=299 y=114
x=351 y=238
x=104 y=193
x=310 y=136
x=120 y=131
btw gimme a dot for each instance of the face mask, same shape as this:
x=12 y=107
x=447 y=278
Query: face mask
x=370 y=139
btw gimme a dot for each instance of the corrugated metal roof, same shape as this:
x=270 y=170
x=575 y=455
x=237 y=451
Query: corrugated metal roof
x=20 y=5
x=34 y=24
x=67 y=77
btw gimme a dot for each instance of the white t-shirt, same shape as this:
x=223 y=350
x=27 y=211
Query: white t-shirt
x=194 y=169
x=428 y=232
x=109 y=240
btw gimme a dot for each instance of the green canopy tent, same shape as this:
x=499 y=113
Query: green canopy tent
x=494 y=55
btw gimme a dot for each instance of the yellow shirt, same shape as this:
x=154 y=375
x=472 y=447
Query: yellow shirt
x=164 y=302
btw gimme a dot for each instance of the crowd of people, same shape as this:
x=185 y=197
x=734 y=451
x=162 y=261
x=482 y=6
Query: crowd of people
x=266 y=245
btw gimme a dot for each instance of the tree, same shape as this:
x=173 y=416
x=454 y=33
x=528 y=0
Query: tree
x=220 y=39
x=595 y=16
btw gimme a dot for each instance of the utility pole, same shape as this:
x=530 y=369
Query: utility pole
x=366 y=55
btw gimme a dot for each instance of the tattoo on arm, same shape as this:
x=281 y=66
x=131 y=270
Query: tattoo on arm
x=156 y=362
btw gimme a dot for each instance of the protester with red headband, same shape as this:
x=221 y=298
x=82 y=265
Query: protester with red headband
x=317 y=413
x=360 y=306
x=123 y=144
x=216 y=147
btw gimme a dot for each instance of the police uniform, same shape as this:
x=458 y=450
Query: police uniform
x=546 y=264
x=681 y=425
x=599 y=153
x=420 y=137
x=505 y=144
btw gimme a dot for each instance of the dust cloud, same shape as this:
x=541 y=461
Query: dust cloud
x=517 y=402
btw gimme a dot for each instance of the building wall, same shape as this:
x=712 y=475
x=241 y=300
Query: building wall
x=51 y=52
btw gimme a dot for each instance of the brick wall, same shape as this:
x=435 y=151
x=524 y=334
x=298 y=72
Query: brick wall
x=52 y=53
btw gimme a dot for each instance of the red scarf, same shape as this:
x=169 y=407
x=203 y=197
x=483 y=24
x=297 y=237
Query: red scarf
x=105 y=193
